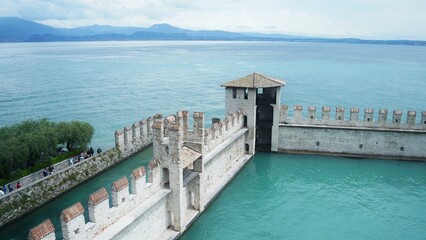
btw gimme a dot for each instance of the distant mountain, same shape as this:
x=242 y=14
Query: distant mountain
x=99 y=29
x=148 y=35
x=272 y=35
x=13 y=29
x=165 y=28
x=197 y=35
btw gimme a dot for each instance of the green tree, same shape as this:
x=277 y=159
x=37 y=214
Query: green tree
x=75 y=134
x=25 y=145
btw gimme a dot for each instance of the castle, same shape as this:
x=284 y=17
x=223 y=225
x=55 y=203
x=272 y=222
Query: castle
x=191 y=165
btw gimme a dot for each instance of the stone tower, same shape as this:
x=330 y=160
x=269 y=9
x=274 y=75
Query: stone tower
x=178 y=152
x=258 y=97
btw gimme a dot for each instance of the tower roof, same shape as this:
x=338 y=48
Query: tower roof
x=254 y=80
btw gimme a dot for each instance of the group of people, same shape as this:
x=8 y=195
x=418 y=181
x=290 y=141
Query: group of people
x=9 y=188
x=48 y=171
x=84 y=155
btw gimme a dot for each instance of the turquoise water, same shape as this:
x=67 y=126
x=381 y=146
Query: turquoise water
x=113 y=84
x=283 y=196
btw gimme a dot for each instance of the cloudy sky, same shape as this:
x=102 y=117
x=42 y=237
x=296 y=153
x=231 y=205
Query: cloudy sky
x=371 y=19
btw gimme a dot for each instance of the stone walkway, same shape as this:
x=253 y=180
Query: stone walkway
x=37 y=176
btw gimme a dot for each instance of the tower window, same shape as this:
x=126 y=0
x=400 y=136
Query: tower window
x=246 y=93
x=234 y=93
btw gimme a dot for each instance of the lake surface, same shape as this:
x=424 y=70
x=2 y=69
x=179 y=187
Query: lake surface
x=276 y=196
x=114 y=84
x=284 y=196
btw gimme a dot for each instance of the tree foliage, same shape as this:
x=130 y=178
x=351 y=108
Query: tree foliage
x=30 y=142
x=75 y=135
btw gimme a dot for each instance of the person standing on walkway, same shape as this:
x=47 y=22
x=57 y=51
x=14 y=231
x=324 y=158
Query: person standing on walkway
x=51 y=168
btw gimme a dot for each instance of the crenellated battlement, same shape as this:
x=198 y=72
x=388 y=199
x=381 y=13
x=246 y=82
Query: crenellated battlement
x=189 y=166
x=197 y=138
x=222 y=130
x=172 y=132
x=125 y=197
x=353 y=119
x=132 y=138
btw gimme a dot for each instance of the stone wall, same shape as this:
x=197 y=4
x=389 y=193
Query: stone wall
x=223 y=160
x=370 y=136
x=42 y=190
x=30 y=179
x=151 y=224
x=190 y=168
x=244 y=101
x=222 y=130
x=132 y=138
x=144 y=209
x=35 y=195
x=354 y=118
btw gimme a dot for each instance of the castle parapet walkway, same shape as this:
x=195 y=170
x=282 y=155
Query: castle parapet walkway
x=353 y=118
x=372 y=136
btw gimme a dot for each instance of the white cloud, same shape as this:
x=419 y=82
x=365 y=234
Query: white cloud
x=352 y=18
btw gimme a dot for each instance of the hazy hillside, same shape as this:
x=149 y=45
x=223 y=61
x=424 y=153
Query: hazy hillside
x=99 y=29
x=13 y=29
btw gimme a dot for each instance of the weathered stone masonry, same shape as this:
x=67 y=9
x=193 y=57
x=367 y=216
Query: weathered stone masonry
x=372 y=136
x=189 y=169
